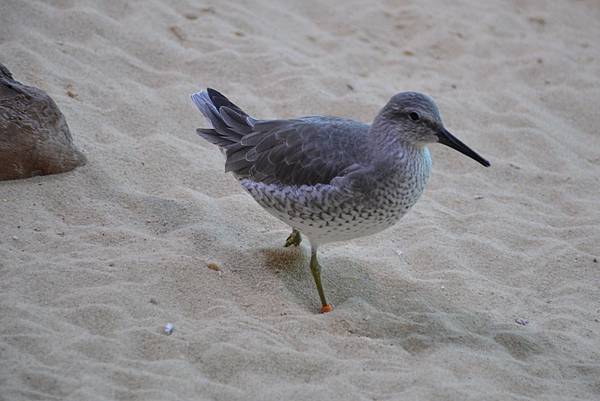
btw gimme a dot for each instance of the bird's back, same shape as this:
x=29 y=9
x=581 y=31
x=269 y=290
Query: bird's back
x=302 y=151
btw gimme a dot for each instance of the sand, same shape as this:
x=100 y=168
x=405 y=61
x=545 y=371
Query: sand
x=94 y=263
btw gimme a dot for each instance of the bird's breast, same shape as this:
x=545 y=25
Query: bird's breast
x=390 y=198
x=395 y=193
x=324 y=216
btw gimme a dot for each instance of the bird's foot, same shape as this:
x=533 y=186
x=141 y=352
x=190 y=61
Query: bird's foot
x=293 y=239
x=326 y=308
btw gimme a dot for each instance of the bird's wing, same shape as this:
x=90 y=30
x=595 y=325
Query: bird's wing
x=303 y=151
x=306 y=151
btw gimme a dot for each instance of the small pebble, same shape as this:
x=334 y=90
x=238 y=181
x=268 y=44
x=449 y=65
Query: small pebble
x=478 y=197
x=168 y=329
x=153 y=301
x=15 y=238
x=522 y=322
x=214 y=266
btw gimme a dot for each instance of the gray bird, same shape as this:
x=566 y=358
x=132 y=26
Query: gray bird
x=331 y=178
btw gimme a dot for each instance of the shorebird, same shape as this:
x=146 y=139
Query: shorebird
x=330 y=178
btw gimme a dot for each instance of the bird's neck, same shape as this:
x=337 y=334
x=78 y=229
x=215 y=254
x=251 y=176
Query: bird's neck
x=385 y=141
x=396 y=154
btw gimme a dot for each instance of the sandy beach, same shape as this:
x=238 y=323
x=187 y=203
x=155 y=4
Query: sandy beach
x=488 y=289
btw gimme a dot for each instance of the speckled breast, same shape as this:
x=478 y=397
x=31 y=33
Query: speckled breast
x=363 y=216
x=324 y=217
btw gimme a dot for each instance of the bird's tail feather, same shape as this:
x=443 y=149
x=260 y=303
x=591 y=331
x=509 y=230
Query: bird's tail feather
x=229 y=122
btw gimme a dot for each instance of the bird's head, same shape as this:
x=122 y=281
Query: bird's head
x=414 y=118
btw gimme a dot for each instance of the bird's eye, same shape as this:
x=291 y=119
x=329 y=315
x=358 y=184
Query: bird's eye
x=414 y=116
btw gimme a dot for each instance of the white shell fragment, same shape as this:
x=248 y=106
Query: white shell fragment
x=168 y=329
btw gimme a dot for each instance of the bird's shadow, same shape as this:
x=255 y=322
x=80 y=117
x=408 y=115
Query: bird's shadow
x=395 y=310
x=342 y=278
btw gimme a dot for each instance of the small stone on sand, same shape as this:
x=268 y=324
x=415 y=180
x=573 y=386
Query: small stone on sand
x=214 y=266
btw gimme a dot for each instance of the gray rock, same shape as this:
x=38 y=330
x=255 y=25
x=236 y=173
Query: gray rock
x=34 y=135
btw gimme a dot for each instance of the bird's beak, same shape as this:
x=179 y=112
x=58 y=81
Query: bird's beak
x=448 y=139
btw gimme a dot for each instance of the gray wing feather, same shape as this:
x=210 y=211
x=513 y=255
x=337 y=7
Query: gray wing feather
x=303 y=151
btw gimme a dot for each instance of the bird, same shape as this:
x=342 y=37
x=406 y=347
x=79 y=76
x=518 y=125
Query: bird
x=331 y=178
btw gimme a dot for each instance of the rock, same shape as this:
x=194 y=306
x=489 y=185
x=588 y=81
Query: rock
x=34 y=136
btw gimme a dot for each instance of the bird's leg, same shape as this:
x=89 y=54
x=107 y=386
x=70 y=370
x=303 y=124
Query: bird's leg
x=316 y=272
x=293 y=239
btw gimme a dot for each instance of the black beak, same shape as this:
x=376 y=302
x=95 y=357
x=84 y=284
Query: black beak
x=448 y=139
